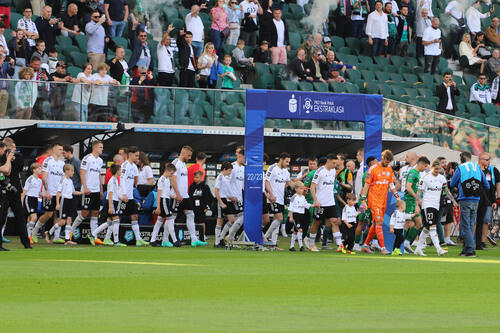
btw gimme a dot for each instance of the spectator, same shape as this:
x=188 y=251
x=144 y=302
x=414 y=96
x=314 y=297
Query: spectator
x=139 y=15
x=142 y=101
x=220 y=26
x=228 y=77
x=3 y=41
x=58 y=91
x=423 y=22
x=334 y=76
x=249 y=25
x=473 y=17
x=360 y=9
x=245 y=64
x=316 y=44
x=307 y=45
x=187 y=60
x=81 y=92
x=262 y=53
x=95 y=39
x=19 y=48
x=343 y=23
x=85 y=9
x=28 y=26
x=494 y=61
x=465 y=49
x=455 y=10
x=98 y=103
x=495 y=87
x=40 y=52
x=216 y=70
x=427 y=4
x=42 y=75
x=69 y=20
x=332 y=64
x=377 y=30
x=391 y=29
x=432 y=46
x=165 y=53
x=52 y=61
x=278 y=38
x=141 y=51
x=201 y=158
x=116 y=12
x=234 y=16
x=195 y=25
x=205 y=63
x=327 y=45
x=480 y=91
x=75 y=162
x=48 y=28
x=6 y=72
x=446 y=93
x=316 y=67
x=37 y=6
x=402 y=38
x=117 y=159
x=145 y=176
x=5 y=12
x=118 y=67
x=296 y=68
x=412 y=12
x=26 y=93
x=468 y=178
x=492 y=32
x=483 y=51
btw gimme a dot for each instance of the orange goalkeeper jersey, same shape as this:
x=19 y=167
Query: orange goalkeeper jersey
x=379 y=178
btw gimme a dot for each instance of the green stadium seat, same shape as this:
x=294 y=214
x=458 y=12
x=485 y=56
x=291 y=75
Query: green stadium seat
x=73 y=71
x=353 y=74
x=14 y=17
x=410 y=78
x=383 y=61
x=261 y=68
x=320 y=86
x=344 y=50
x=478 y=118
x=385 y=89
x=81 y=41
x=264 y=81
x=427 y=93
x=337 y=42
x=305 y=86
x=171 y=13
x=352 y=88
x=397 y=61
x=365 y=60
x=489 y=109
x=469 y=80
x=338 y=87
x=121 y=41
x=372 y=87
x=396 y=77
x=411 y=92
x=411 y=62
x=63 y=41
x=492 y=120
x=368 y=75
x=473 y=109
x=68 y=49
x=354 y=44
x=382 y=76
x=294 y=38
x=430 y=106
x=78 y=59
x=458 y=80
x=276 y=69
x=397 y=90
x=427 y=79
x=289 y=85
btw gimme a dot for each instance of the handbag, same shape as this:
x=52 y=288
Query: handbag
x=225 y=33
x=249 y=24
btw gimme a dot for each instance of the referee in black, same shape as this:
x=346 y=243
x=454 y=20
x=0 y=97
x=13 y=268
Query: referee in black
x=11 y=189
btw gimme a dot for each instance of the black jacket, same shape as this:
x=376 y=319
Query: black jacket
x=116 y=69
x=200 y=195
x=185 y=54
x=400 y=26
x=259 y=56
x=311 y=67
x=136 y=52
x=24 y=45
x=296 y=68
x=269 y=33
x=443 y=98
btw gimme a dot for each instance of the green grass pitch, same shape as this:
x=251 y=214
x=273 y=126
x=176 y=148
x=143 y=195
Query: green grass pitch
x=83 y=289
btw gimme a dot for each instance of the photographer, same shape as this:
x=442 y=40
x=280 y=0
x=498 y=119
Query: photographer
x=11 y=165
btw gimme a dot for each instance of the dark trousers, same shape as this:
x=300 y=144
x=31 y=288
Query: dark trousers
x=419 y=47
x=250 y=38
x=481 y=214
x=456 y=34
x=13 y=201
x=165 y=79
x=402 y=49
x=357 y=28
x=187 y=78
x=399 y=238
x=348 y=235
x=343 y=26
x=378 y=47
x=431 y=63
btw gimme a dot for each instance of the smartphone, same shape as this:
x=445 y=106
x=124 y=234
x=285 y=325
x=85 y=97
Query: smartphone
x=237 y=6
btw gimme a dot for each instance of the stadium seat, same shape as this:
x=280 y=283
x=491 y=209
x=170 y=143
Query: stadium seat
x=264 y=81
x=14 y=17
x=68 y=49
x=73 y=71
x=489 y=109
x=469 y=80
x=338 y=87
x=320 y=86
x=354 y=44
x=305 y=86
x=396 y=77
x=383 y=61
x=411 y=79
x=81 y=41
x=63 y=41
x=289 y=85
x=372 y=87
x=78 y=59
x=353 y=74
x=479 y=118
x=294 y=38
x=427 y=93
x=430 y=106
x=337 y=42
x=411 y=92
x=365 y=59
x=368 y=75
x=385 y=89
x=397 y=90
x=261 y=68
x=473 y=109
x=382 y=76
x=121 y=41
x=492 y=120
x=352 y=88
x=397 y=61
x=427 y=79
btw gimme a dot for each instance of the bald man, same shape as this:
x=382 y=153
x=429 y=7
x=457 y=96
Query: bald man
x=411 y=162
x=70 y=21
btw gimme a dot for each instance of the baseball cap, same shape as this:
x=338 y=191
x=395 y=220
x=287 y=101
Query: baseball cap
x=327 y=39
x=264 y=42
x=45 y=67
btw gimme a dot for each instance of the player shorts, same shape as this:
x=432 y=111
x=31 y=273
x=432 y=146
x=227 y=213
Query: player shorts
x=265 y=205
x=130 y=208
x=180 y=206
x=234 y=208
x=276 y=208
x=91 y=201
x=431 y=216
x=118 y=208
x=326 y=212
x=30 y=205
x=300 y=221
x=49 y=205
x=164 y=205
x=67 y=208
x=410 y=207
x=378 y=214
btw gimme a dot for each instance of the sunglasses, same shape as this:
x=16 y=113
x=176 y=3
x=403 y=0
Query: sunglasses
x=143 y=73
x=96 y=16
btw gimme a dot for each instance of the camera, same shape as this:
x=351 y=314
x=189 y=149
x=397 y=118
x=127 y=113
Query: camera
x=3 y=17
x=6 y=186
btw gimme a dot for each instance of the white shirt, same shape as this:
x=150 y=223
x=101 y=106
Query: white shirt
x=449 y=105
x=473 y=18
x=298 y=204
x=403 y=175
x=431 y=34
x=358 y=182
x=129 y=172
x=422 y=24
x=92 y=165
x=3 y=42
x=398 y=219
x=250 y=8
x=195 y=25
x=377 y=26
x=191 y=56
x=66 y=188
x=115 y=188
x=481 y=96
x=55 y=172
x=237 y=181
x=33 y=186
x=431 y=187
x=165 y=59
x=182 y=177
x=325 y=185
x=349 y=214
x=277 y=179
x=222 y=183
x=164 y=187
x=30 y=26
x=205 y=60
x=426 y=4
x=280 y=29
x=99 y=94
x=457 y=11
x=144 y=174
x=81 y=92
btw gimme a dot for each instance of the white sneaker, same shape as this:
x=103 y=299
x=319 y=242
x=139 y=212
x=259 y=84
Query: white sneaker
x=356 y=248
x=442 y=252
x=313 y=248
x=419 y=252
x=376 y=246
x=306 y=242
x=283 y=231
x=451 y=243
x=408 y=247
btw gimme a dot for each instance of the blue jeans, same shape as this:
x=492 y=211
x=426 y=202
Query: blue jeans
x=116 y=30
x=468 y=215
x=378 y=47
x=357 y=28
x=217 y=41
x=197 y=48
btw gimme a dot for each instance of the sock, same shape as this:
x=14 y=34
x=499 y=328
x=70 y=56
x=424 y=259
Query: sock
x=292 y=241
x=283 y=228
x=435 y=239
x=312 y=238
x=380 y=235
x=274 y=236
x=116 y=231
x=137 y=231
x=164 y=238
x=67 y=232
x=101 y=228
x=191 y=227
x=299 y=238
x=218 y=231
x=53 y=229
x=93 y=223
x=31 y=226
x=57 y=233
x=225 y=230
x=36 y=229
x=156 y=228
x=447 y=239
x=440 y=232
x=411 y=234
x=171 y=228
x=327 y=232
x=3 y=228
x=274 y=225
x=423 y=238
x=76 y=223
x=110 y=231
x=371 y=234
x=236 y=226
x=357 y=239
x=338 y=238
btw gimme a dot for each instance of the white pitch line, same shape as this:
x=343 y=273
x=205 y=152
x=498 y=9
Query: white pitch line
x=152 y=263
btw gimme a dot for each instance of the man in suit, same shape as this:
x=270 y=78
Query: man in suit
x=187 y=60
x=446 y=93
x=118 y=66
x=296 y=67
